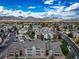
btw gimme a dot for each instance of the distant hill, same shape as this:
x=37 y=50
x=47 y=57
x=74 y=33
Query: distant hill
x=33 y=19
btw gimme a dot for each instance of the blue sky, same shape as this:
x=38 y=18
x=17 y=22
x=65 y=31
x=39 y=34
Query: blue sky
x=65 y=9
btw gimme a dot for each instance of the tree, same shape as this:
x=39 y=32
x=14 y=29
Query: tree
x=78 y=28
x=48 y=38
x=2 y=31
x=31 y=34
x=70 y=35
x=15 y=28
x=9 y=30
x=77 y=40
x=57 y=28
x=30 y=27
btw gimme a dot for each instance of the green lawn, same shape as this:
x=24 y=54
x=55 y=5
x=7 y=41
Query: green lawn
x=64 y=48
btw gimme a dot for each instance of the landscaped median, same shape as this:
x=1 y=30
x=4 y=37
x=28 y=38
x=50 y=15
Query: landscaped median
x=64 y=48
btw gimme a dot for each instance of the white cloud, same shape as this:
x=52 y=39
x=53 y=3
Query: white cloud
x=58 y=8
x=31 y=7
x=72 y=7
x=17 y=13
x=37 y=14
x=56 y=11
x=1 y=8
x=48 y=2
x=59 y=12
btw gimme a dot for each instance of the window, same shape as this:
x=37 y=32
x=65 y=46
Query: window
x=37 y=48
x=38 y=54
x=56 y=54
x=38 y=51
x=29 y=54
x=11 y=54
x=29 y=50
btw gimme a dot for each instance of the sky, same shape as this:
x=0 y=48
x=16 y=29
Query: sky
x=65 y=9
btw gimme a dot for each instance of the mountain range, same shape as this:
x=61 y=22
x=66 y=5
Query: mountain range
x=32 y=18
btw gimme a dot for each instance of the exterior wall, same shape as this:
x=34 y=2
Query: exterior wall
x=34 y=52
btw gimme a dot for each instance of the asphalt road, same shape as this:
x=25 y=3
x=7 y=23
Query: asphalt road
x=71 y=44
x=12 y=38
